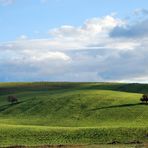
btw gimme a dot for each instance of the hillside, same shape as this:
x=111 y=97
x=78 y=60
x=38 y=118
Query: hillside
x=79 y=113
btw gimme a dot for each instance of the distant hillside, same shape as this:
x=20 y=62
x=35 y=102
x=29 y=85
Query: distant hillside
x=35 y=86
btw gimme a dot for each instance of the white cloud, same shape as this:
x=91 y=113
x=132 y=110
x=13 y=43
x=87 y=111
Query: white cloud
x=94 y=31
x=84 y=53
x=48 y=56
x=23 y=37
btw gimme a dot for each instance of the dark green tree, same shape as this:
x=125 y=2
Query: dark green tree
x=144 y=99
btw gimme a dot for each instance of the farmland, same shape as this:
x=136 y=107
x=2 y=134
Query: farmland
x=73 y=113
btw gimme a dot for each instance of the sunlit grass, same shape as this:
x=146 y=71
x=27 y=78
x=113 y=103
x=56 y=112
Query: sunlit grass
x=72 y=113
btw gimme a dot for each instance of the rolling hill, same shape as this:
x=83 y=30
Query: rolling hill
x=73 y=113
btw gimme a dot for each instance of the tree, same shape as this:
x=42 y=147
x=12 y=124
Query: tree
x=144 y=99
x=12 y=99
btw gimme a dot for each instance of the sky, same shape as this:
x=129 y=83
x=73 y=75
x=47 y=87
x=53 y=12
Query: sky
x=74 y=40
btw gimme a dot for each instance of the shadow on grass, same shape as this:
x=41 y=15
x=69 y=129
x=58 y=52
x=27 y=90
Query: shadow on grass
x=119 y=106
x=7 y=106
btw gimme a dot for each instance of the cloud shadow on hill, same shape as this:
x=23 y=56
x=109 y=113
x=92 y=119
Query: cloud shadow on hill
x=118 y=106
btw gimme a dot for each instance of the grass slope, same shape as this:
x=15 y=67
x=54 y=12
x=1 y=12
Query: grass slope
x=73 y=113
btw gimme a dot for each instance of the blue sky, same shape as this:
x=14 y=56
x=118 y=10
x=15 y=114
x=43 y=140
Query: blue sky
x=30 y=16
x=73 y=40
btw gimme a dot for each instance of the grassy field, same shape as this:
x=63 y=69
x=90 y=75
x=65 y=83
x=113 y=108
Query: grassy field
x=73 y=113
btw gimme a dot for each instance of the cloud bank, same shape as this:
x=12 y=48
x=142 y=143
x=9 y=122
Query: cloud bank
x=102 y=49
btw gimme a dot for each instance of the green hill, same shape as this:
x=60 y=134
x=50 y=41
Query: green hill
x=73 y=113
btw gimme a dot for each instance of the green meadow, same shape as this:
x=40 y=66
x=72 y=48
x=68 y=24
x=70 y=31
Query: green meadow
x=50 y=113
